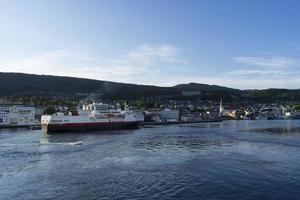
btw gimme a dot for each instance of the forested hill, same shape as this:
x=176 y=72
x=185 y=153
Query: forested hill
x=18 y=84
x=29 y=84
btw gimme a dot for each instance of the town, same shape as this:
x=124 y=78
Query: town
x=14 y=114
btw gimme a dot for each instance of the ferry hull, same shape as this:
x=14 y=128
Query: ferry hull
x=83 y=127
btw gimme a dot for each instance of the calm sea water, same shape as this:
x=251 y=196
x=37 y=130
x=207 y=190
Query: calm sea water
x=228 y=160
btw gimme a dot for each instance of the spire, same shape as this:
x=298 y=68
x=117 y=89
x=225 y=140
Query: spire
x=221 y=107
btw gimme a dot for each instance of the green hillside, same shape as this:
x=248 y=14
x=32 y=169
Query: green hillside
x=18 y=84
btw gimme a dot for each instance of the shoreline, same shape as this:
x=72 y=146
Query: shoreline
x=38 y=127
x=177 y=122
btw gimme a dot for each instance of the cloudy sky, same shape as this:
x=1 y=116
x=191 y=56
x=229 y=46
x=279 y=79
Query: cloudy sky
x=241 y=44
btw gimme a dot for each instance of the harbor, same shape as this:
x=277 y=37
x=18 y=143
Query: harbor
x=105 y=116
x=253 y=157
x=149 y=100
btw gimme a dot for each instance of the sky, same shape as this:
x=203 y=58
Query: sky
x=242 y=44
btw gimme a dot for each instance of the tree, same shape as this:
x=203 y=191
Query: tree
x=50 y=110
x=139 y=103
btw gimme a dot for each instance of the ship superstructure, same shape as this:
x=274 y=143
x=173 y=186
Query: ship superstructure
x=92 y=117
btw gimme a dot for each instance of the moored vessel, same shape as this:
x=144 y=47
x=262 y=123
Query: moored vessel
x=92 y=117
x=271 y=112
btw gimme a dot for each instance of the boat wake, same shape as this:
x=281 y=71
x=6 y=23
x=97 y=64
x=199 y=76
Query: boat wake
x=75 y=143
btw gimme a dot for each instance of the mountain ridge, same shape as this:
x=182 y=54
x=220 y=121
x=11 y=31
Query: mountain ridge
x=32 y=84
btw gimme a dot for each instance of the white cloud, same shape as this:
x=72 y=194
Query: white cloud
x=266 y=71
x=242 y=72
x=266 y=62
x=137 y=65
x=262 y=82
x=149 y=54
x=253 y=82
x=146 y=65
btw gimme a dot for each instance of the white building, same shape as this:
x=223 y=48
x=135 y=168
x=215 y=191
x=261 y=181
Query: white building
x=293 y=114
x=169 y=115
x=17 y=115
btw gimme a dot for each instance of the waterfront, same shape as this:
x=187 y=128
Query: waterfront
x=222 y=160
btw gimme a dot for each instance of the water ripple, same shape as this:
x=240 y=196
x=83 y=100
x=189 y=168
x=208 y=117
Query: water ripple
x=228 y=160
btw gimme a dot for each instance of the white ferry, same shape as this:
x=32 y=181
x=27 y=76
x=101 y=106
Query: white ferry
x=92 y=117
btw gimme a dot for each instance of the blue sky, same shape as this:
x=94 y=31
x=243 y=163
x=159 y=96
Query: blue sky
x=241 y=44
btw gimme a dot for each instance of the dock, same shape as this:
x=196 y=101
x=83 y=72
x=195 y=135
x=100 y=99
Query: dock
x=179 y=122
x=30 y=127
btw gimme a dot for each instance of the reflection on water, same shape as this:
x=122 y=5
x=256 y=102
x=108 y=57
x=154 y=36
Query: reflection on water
x=167 y=142
x=203 y=125
x=227 y=160
x=58 y=138
x=277 y=130
x=72 y=137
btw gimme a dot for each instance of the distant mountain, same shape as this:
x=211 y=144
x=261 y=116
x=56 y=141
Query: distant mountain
x=30 y=84
x=272 y=94
x=205 y=87
x=18 y=84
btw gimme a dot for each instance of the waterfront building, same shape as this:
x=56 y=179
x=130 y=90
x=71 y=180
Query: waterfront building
x=152 y=116
x=39 y=111
x=187 y=119
x=169 y=115
x=166 y=115
x=17 y=115
x=213 y=114
x=294 y=114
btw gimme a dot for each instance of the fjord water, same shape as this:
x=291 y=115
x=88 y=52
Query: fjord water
x=226 y=160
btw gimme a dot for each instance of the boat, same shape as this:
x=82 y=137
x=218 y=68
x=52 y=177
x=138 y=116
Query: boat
x=269 y=113
x=92 y=117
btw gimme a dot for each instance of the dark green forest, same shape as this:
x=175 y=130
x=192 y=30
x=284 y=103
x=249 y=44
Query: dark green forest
x=42 y=89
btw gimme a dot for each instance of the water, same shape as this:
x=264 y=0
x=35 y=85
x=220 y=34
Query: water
x=228 y=160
